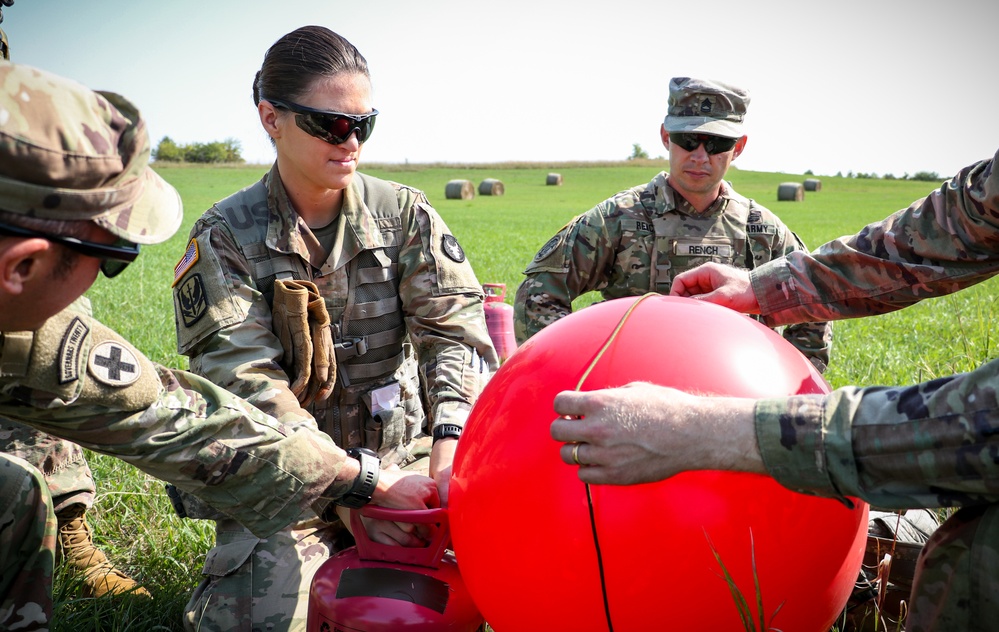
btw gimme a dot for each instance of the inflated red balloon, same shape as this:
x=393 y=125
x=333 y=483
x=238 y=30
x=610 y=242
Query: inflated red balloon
x=530 y=555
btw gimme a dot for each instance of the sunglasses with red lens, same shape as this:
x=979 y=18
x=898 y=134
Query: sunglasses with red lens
x=332 y=127
x=712 y=144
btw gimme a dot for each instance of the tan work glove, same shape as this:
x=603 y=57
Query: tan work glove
x=290 y=313
x=323 y=356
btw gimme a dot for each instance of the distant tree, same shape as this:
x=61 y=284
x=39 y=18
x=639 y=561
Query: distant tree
x=637 y=152
x=849 y=174
x=926 y=176
x=889 y=176
x=168 y=151
x=808 y=172
x=233 y=150
x=228 y=150
x=839 y=174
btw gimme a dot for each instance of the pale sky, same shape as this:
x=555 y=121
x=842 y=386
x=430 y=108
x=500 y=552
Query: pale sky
x=865 y=86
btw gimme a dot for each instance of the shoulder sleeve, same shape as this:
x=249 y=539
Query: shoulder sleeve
x=205 y=285
x=73 y=360
x=573 y=262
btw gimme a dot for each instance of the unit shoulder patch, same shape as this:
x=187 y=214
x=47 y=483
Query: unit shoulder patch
x=114 y=364
x=451 y=248
x=550 y=246
x=192 y=300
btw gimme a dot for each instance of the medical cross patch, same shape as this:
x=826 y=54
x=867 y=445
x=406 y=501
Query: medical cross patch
x=114 y=364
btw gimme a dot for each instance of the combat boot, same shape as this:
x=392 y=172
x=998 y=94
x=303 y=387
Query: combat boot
x=76 y=546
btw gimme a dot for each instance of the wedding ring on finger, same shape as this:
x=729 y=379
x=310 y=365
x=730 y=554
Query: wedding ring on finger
x=575 y=454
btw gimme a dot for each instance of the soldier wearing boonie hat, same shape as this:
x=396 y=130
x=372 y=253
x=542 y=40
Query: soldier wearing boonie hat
x=676 y=222
x=69 y=154
x=80 y=155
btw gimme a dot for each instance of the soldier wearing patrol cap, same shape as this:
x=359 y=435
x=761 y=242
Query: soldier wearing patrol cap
x=640 y=239
x=77 y=197
x=933 y=444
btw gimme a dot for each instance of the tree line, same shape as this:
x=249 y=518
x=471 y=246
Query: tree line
x=228 y=150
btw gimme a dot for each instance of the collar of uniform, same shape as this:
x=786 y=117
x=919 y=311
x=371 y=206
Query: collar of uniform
x=673 y=201
x=287 y=233
x=359 y=231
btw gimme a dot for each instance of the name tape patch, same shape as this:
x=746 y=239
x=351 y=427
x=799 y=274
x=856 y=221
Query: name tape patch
x=686 y=249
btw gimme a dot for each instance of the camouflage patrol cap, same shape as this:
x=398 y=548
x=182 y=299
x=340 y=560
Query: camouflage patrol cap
x=70 y=153
x=705 y=107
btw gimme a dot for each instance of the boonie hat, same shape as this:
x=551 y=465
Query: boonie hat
x=70 y=153
x=705 y=107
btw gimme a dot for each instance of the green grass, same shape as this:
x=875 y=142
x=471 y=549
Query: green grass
x=132 y=518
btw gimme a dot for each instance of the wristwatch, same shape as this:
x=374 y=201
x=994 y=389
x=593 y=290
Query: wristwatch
x=444 y=431
x=359 y=494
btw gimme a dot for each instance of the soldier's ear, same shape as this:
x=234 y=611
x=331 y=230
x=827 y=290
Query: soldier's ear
x=20 y=261
x=739 y=146
x=665 y=136
x=269 y=118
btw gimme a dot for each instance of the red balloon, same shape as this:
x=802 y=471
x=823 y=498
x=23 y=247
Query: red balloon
x=530 y=555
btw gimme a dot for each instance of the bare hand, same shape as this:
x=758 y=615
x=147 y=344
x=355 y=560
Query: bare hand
x=719 y=284
x=401 y=490
x=642 y=433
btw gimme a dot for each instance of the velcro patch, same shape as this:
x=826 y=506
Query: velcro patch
x=189 y=259
x=761 y=229
x=114 y=364
x=192 y=300
x=636 y=226
x=549 y=247
x=70 y=349
x=452 y=248
x=702 y=249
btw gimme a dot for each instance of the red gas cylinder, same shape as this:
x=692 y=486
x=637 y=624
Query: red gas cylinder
x=378 y=588
x=499 y=320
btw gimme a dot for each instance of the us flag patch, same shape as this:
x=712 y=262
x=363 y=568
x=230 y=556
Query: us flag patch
x=189 y=259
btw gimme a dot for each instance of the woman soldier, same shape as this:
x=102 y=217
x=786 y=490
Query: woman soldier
x=323 y=294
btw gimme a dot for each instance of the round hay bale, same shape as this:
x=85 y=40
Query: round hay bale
x=491 y=186
x=790 y=192
x=554 y=179
x=459 y=190
x=813 y=184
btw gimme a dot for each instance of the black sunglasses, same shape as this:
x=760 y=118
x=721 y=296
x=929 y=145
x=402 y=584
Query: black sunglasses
x=712 y=144
x=114 y=257
x=332 y=127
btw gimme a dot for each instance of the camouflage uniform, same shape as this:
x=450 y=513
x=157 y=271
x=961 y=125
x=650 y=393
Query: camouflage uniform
x=62 y=463
x=929 y=445
x=68 y=153
x=173 y=425
x=409 y=333
x=639 y=240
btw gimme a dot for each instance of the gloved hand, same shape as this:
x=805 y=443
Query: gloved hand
x=290 y=313
x=323 y=356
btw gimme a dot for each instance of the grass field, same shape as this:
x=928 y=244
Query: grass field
x=133 y=520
